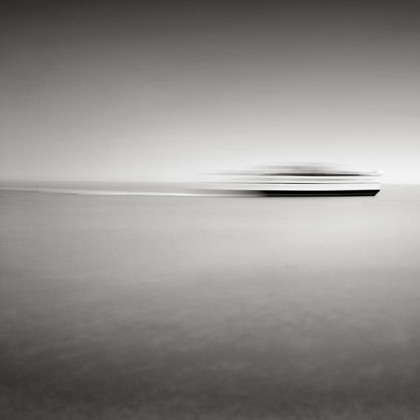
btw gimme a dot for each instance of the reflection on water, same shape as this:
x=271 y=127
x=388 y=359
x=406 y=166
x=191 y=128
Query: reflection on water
x=169 y=307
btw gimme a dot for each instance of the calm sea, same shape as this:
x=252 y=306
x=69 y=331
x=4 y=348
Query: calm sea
x=178 y=306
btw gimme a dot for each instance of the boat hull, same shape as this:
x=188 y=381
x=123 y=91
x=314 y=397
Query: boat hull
x=297 y=189
x=318 y=193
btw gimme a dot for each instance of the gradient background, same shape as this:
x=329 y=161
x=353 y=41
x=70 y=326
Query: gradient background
x=162 y=90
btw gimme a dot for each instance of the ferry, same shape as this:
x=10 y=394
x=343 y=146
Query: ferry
x=309 y=179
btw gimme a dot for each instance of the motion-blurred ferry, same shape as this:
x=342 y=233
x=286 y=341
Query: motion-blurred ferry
x=301 y=180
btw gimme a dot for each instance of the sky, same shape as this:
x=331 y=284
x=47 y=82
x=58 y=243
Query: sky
x=165 y=90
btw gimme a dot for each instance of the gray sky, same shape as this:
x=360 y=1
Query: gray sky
x=161 y=90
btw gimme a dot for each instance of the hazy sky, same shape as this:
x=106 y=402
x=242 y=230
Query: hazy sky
x=160 y=90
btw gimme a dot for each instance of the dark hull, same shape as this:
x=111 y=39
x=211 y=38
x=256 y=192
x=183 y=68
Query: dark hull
x=335 y=193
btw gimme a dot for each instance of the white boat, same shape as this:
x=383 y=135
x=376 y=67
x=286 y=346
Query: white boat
x=301 y=180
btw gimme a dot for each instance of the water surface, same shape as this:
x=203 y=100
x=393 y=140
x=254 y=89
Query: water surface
x=209 y=307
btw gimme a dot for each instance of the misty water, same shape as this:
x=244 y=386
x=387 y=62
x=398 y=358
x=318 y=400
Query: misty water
x=209 y=307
